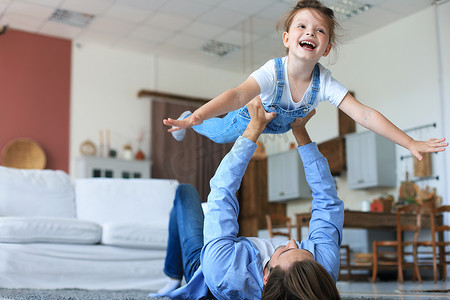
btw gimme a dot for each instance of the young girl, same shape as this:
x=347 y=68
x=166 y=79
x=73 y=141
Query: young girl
x=291 y=87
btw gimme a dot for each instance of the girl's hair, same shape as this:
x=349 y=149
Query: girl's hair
x=326 y=13
x=305 y=280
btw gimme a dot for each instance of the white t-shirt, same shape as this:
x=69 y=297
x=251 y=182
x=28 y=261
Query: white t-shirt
x=330 y=89
x=267 y=247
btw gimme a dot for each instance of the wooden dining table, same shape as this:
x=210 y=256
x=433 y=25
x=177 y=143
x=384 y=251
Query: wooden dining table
x=366 y=220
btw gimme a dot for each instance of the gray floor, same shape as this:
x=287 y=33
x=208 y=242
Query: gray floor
x=349 y=290
x=394 y=290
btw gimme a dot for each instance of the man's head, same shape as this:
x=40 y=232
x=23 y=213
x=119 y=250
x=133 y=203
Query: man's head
x=305 y=280
x=292 y=273
x=284 y=257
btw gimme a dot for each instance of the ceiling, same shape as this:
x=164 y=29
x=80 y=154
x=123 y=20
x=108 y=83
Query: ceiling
x=180 y=28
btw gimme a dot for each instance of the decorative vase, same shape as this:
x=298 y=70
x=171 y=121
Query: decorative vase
x=139 y=155
x=127 y=152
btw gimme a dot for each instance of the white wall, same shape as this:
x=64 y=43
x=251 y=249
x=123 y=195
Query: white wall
x=194 y=80
x=105 y=83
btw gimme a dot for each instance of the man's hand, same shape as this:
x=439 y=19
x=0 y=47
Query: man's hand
x=259 y=119
x=299 y=130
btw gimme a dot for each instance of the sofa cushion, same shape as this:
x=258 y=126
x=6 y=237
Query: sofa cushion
x=36 y=193
x=48 y=230
x=135 y=235
x=103 y=200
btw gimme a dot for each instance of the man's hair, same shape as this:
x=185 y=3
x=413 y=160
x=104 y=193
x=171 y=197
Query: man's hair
x=305 y=280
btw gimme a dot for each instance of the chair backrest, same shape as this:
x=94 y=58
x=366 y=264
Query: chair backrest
x=441 y=228
x=279 y=219
x=402 y=223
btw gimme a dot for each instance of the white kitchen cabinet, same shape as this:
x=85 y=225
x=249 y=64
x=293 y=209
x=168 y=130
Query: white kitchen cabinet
x=286 y=177
x=370 y=161
x=92 y=166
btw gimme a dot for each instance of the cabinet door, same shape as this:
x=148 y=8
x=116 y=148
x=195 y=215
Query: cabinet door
x=370 y=161
x=361 y=160
x=286 y=177
x=276 y=187
x=289 y=175
x=353 y=153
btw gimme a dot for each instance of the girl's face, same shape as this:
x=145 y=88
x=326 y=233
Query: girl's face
x=308 y=36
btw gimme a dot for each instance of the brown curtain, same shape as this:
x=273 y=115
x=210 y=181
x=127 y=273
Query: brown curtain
x=194 y=160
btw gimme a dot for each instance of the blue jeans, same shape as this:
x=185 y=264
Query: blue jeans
x=223 y=130
x=229 y=128
x=185 y=234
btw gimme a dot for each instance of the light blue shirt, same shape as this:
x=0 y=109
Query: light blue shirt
x=231 y=266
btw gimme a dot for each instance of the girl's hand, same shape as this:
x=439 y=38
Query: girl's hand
x=430 y=145
x=182 y=124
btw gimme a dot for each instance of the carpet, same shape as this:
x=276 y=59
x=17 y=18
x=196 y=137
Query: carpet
x=78 y=294
x=75 y=294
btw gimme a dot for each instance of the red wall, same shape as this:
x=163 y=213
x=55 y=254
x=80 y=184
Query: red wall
x=35 y=93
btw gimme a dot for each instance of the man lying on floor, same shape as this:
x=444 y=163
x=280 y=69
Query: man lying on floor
x=219 y=265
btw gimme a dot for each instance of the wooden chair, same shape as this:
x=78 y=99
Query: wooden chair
x=437 y=257
x=396 y=258
x=278 y=221
x=345 y=263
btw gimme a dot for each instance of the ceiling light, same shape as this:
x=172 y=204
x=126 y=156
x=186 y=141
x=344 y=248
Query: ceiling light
x=217 y=48
x=346 y=9
x=72 y=18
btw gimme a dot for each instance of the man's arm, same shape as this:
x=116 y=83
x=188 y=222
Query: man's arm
x=221 y=219
x=327 y=213
x=327 y=209
x=224 y=255
x=299 y=130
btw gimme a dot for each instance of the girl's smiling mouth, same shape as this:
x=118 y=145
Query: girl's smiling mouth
x=309 y=45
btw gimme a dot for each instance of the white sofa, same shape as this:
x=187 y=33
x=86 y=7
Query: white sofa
x=88 y=234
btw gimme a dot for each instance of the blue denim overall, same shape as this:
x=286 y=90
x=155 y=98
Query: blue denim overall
x=230 y=127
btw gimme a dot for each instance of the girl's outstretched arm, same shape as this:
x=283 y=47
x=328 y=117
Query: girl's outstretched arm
x=229 y=100
x=375 y=121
